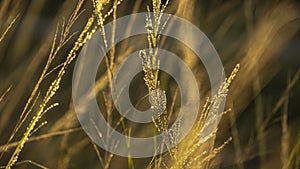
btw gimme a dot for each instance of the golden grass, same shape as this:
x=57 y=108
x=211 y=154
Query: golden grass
x=254 y=54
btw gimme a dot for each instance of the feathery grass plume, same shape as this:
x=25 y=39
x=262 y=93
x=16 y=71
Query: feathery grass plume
x=151 y=64
x=195 y=151
x=98 y=18
x=85 y=35
x=53 y=88
x=149 y=60
x=211 y=113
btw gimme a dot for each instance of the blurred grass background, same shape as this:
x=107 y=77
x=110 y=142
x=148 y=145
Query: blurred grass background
x=263 y=36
